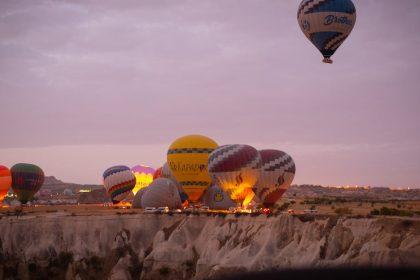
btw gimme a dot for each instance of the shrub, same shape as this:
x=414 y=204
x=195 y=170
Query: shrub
x=164 y=270
x=375 y=212
x=385 y=211
x=284 y=206
x=32 y=267
x=64 y=259
x=343 y=211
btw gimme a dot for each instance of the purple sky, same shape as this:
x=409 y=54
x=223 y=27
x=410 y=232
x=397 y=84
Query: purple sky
x=88 y=84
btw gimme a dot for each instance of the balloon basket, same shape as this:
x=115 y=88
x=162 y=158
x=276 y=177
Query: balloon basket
x=327 y=60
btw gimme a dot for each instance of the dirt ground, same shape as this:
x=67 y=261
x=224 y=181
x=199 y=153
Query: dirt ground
x=298 y=207
x=357 y=208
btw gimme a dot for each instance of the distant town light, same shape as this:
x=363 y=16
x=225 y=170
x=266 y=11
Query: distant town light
x=85 y=190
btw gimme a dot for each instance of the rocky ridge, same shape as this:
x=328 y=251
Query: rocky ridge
x=142 y=246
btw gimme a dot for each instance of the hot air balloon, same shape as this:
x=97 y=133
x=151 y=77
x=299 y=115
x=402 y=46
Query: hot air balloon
x=137 y=198
x=5 y=181
x=161 y=192
x=187 y=158
x=277 y=173
x=236 y=168
x=119 y=182
x=216 y=198
x=327 y=23
x=158 y=173
x=167 y=173
x=144 y=176
x=27 y=179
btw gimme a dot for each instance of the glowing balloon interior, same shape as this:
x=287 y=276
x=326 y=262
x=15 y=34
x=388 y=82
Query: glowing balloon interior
x=144 y=176
x=236 y=168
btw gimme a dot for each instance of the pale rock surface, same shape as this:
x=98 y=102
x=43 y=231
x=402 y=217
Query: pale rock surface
x=149 y=246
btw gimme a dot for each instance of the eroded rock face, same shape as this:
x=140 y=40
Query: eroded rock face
x=145 y=246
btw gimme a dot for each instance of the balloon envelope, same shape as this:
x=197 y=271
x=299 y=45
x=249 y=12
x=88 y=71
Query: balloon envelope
x=144 y=176
x=27 y=179
x=327 y=23
x=5 y=181
x=158 y=173
x=119 y=181
x=161 y=192
x=167 y=173
x=187 y=158
x=277 y=172
x=236 y=168
x=217 y=199
x=137 y=198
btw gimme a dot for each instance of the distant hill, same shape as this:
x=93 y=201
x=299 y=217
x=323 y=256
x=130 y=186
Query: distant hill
x=375 y=193
x=54 y=185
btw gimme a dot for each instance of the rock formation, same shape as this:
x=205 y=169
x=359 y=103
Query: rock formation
x=151 y=246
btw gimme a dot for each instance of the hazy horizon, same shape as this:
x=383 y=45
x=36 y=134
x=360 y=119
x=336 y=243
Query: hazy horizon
x=85 y=85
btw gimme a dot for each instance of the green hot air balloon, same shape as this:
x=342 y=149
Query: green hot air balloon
x=27 y=179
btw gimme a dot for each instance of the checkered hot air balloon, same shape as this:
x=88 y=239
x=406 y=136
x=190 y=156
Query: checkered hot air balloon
x=144 y=176
x=27 y=179
x=119 y=182
x=5 y=181
x=277 y=173
x=327 y=23
x=235 y=168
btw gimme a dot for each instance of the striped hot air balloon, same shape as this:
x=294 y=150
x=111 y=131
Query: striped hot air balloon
x=144 y=176
x=119 y=181
x=27 y=179
x=187 y=158
x=5 y=181
x=236 y=168
x=277 y=173
x=327 y=23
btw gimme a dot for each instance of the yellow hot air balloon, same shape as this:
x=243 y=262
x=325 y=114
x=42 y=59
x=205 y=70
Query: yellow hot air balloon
x=187 y=158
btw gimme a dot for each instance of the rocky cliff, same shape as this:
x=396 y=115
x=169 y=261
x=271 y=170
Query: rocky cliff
x=149 y=246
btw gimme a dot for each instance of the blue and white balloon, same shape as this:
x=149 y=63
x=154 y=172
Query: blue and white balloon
x=327 y=23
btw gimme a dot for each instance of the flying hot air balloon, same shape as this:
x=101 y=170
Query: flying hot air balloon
x=236 y=168
x=144 y=176
x=187 y=158
x=119 y=181
x=27 y=179
x=327 y=23
x=277 y=173
x=5 y=181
